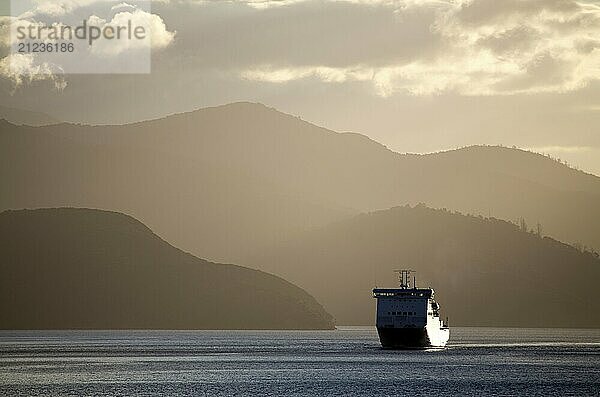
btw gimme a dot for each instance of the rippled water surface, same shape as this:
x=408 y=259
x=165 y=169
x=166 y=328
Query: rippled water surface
x=478 y=361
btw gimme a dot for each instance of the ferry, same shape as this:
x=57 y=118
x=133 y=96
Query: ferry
x=409 y=317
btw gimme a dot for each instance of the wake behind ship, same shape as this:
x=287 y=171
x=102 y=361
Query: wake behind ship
x=408 y=318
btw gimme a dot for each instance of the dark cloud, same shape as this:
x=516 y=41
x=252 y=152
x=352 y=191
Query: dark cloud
x=335 y=34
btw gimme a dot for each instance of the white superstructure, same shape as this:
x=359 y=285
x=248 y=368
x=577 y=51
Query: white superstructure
x=409 y=317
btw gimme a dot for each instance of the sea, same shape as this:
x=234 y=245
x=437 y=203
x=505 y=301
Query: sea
x=344 y=362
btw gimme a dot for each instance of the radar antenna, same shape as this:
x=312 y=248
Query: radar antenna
x=404 y=278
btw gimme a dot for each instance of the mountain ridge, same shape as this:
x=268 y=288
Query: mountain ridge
x=486 y=271
x=81 y=268
x=263 y=107
x=237 y=179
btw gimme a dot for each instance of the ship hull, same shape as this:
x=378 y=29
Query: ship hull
x=411 y=338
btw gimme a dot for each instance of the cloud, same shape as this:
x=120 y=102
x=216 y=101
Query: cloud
x=19 y=69
x=332 y=75
x=263 y=4
x=59 y=7
x=416 y=47
x=159 y=36
x=481 y=47
x=417 y=78
x=22 y=68
x=123 y=6
x=63 y=7
x=104 y=56
x=258 y=4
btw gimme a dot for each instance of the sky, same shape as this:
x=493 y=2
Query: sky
x=416 y=75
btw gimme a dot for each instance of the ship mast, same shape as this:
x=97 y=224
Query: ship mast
x=404 y=278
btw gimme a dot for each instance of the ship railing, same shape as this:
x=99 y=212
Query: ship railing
x=408 y=292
